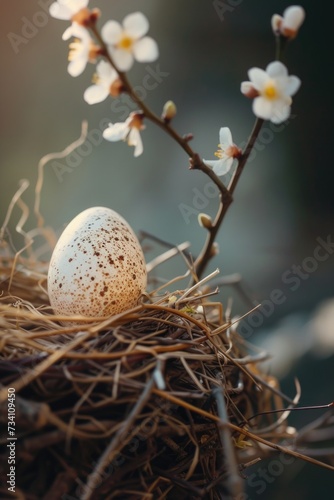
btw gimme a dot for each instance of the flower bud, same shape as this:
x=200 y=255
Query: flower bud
x=214 y=250
x=276 y=22
x=289 y=24
x=248 y=90
x=205 y=220
x=169 y=111
x=293 y=18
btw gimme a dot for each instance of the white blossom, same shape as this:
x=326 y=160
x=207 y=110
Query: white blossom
x=82 y=50
x=128 y=131
x=105 y=76
x=226 y=153
x=128 y=42
x=275 y=88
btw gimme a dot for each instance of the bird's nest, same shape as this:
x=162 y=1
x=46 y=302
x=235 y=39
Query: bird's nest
x=161 y=401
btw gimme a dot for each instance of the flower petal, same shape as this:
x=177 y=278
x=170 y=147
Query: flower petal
x=276 y=22
x=68 y=33
x=276 y=69
x=134 y=139
x=223 y=166
x=136 y=25
x=77 y=66
x=78 y=31
x=225 y=137
x=116 y=132
x=146 y=50
x=111 y=32
x=105 y=71
x=262 y=108
x=293 y=85
x=95 y=94
x=122 y=59
x=65 y=9
x=74 y=5
x=280 y=111
x=211 y=163
x=220 y=167
x=60 y=12
x=293 y=17
x=258 y=77
x=246 y=87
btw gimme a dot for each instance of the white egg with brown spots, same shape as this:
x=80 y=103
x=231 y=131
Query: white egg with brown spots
x=97 y=267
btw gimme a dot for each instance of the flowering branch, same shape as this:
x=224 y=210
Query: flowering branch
x=196 y=162
x=120 y=45
x=207 y=252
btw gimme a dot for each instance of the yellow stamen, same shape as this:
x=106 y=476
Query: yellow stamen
x=96 y=79
x=125 y=43
x=74 y=47
x=229 y=152
x=270 y=90
x=220 y=153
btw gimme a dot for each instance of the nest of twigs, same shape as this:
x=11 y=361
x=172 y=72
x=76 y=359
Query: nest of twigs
x=156 y=402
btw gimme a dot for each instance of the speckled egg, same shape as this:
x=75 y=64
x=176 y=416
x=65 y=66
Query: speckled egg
x=97 y=267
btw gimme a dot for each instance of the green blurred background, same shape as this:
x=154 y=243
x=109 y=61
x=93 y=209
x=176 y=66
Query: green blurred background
x=283 y=203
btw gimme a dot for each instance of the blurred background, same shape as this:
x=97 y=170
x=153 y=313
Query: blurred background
x=283 y=203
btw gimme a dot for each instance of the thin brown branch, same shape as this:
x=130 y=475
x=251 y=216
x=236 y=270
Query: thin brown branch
x=234 y=481
x=120 y=437
x=206 y=253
